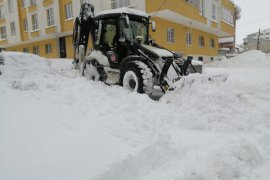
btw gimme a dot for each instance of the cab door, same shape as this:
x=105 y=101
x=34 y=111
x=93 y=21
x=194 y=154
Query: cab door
x=107 y=38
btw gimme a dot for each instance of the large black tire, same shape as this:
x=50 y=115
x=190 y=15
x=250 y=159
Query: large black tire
x=137 y=76
x=92 y=70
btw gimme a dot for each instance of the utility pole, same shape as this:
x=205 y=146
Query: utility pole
x=258 y=41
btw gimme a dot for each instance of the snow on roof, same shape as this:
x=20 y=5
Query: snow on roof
x=226 y=39
x=123 y=10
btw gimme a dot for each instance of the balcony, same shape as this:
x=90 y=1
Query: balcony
x=35 y=33
x=180 y=7
x=50 y=30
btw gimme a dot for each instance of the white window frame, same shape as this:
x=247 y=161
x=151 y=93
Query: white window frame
x=85 y=1
x=114 y=4
x=34 y=18
x=119 y=3
x=69 y=11
x=2 y=12
x=170 y=35
x=3 y=33
x=202 y=7
x=195 y=3
x=214 y=12
x=36 y=50
x=26 y=50
x=25 y=25
x=227 y=16
x=23 y=3
x=201 y=41
x=12 y=28
x=189 y=38
x=10 y=6
x=33 y=2
x=48 y=48
x=50 y=17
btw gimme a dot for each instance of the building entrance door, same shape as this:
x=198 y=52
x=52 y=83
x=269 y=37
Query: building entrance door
x=63 y=51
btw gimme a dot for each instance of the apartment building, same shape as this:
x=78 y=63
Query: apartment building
x=264 y=34
x=189 y=27
x=263 y=43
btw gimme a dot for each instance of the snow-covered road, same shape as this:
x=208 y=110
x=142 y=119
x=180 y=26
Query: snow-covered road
x=55 y=125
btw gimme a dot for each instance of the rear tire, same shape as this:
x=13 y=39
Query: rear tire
x=90 y=71
x=137 y=77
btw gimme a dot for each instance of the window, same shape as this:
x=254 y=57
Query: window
x=214 y=12
x=267 y=38
x=201 y=41
x=3 y=32
x=33 y=2
x=12 y=29
x=23 y=3
x=114 y=4
x=119 y=3
x=10 y=6
x=170 y=35
x=86 y=1
x=36 y=50
x=212 y=43
x=195 y=3
x=50 y=17
x=227 y=16
x=2 y=14
x=188 y=38
x=34 y=22
x=69 y=13
x=26 y=50
x=190 y=58
x=48 y=48
x=25 y=25
x=202 y=7
x=108 y=36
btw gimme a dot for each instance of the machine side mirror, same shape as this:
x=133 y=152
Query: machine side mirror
x=153 y=23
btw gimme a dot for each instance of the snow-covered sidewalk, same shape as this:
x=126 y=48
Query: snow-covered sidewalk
x=55 y=125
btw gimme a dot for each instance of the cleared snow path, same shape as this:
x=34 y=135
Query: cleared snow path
x=55 y=124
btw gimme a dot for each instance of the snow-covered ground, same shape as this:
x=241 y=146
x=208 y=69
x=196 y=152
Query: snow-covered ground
x=55 y=124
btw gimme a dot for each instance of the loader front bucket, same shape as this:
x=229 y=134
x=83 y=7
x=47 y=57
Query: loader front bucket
x=198 y=78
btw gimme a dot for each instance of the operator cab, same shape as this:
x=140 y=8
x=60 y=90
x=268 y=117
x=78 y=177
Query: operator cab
x=117 y=30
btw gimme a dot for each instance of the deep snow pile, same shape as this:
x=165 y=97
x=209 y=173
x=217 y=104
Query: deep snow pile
x=55 y=124
x=249 y=59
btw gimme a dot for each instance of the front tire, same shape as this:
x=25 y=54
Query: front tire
x=137 y=77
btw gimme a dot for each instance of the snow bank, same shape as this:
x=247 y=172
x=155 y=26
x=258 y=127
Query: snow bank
x=249 y=59
x=213 y=105
x=55 y=124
